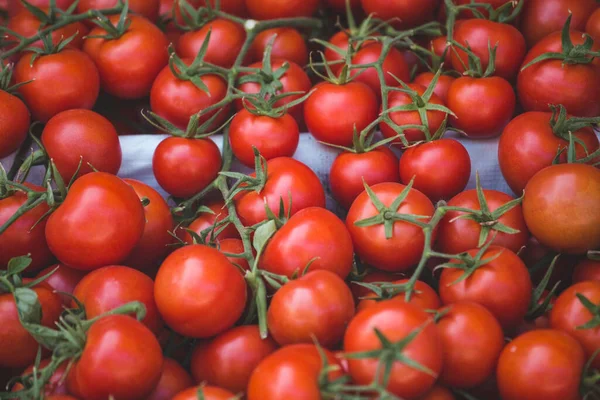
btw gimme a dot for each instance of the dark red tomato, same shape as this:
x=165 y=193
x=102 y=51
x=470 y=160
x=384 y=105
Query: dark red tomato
x=441 y=168
x=350 y=169
x=184 y=179
x=128 y=65
x=288 y=45
x=275 y=9
x=403 y=14
x=405 y=248
x=82 y=139
x=61 y=81
x=424 y=297
x=502 y=285
x=395 y=321
x=174 y=379
x=98 y=224
x=587 y=270
x=226 y=41
x=199 y=269
x=543 y=17
x=592 y=27
x=206 y=220
x=353 y=104
x=19 y=238
x=544 y=364
x=15 y=6
x=56 y=385
x=208 y=393
x=272 y=137
x=458 y=235
x=562 y=207
x=472 y=340
x=317 y=306
x=23 y=347
x=551 y=82
x=438 y=393
x=145 y=8
x=234 y=246
x=441 y=88
x=293 y=372
x=121 y=359
x=394 y=64
x=340 y=5
x=285 y=177
x=359 y=291
x=228 y=359
x=14 y=123
x=63 y=279
x=493 y=98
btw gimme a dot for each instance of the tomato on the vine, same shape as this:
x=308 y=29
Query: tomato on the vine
x=394 y=65
x=424 y=297
x=288 y=45
x=16 y=6
x=206 y=220
x=442 y=86
x=14 y=123
x=56 y=385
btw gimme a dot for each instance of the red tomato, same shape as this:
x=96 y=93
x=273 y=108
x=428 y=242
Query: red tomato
x=312 y=236
x=438 y=393
x=229 y=359
x=199 y=269
x=424 y=297
x=441 y=88
x=64 y=279
x=145 y=8
x=587 y=270
x=288 y=45
x=98 y=224
x=121 y=359
x=544 y=364
x=341 y=41
x=14 y=123
x=56 y=386
x=208 y=393
x=394 y=64
x=502 y=285
x=234 y=246
x=15 y=6
x=275 y=9
x=61 y=81
x=173 y=380
x=592 y=27
x=128 y=65
x=206 y=220
x=403 y=14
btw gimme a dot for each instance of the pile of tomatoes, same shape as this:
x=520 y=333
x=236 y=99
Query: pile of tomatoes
x=247 y=286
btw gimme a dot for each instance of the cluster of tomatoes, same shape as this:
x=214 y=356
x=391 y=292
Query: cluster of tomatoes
x=246 y=286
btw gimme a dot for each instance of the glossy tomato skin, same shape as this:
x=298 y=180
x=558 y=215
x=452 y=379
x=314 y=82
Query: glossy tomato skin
x=173 y=380
x=121 y=358
x=274 y=9
x=393 y=64
x=587 y=270
x=206 y=220
x=395 y=321
x=47 y=95
x=63 y=279
x=208 y=393
x=312 y=236
x=128 y=65
x=97 y=202
x=285 y=177
x=288 y=45
x=193 y=270
x=405 y=13
x=543 y=364
x=441 y=169
x=349 y=169
x=333 y=112
x=228 y=359
x=14 y=123
x=502 y=285
x=317 y=306
x=273 y=137
x=592 y=27
x=424 y=297
x=183 y=167
x=404 y=249
x=562 y=207
x=145 y=8
x=549 y=82
x=441 y=88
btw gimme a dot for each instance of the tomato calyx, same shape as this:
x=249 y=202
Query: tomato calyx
x=268 y=78
x=594 y=309
x=541 y=299
x=265 y=106
x=113 y=31
x=194 y=129
x=48 y=47
x=194 y=18
x=506 y=13
x=468 y=263
x=590 y=381
x=246 y=182
x=51 y=15
x=384 y=290
x=475 y=68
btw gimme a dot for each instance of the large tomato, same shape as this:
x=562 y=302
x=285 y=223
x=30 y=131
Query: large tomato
x=14 y=123
x=288 y=45
x=63 y=279
x=402 y=14
x=206 y=220
x=587 y=270
x=274 y=9
x=174 y=379
x=145 y=8
x=394 y=65
x=592 y=27
x=424 y=296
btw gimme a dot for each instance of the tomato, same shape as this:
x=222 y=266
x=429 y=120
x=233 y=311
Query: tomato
x=394 y=64
x=272 y=136
x=129 y=64
x=56 y=385
x=199 y=269
x=438 y=393
x=493 y=99
x=592 y=27
x=15 y=6
x=14 y=123
x=349 y=169
x=551 y=82
x=98 y=224
x=335 y=57
x=442 y=86
x=562 y=207
x=201 y=165
x=459 y=235
x=402 y=14
x=234 y=246
x=275 y=9
x=441 y=168
x=587 y=270
x=312 y=236
x=293 y=372
x=396 y=321
x=502 y=285
x=63 y=279
x=206 y=220
x=173 y=380
x=121 y=358
x=61 y=81
x=404 y=249
x=208 y=393
x=354 y=104
x=228 y=359
x=424 y=297
x=226 y=41
x=544 y=364
x=288 y=45
x=286 y=178
x=145 y=8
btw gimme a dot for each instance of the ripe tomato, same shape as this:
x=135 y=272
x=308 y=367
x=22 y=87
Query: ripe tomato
x=394 y=64
x=312 y=236
x=98 y=224
x=199 y=269
x=424 y=297
x=61 y=81
x=544 y=364
x=56 y=385
x=395 y=321
x=208 y=393
x=145 y=8
x=201 y=165
x=206 y=220
x=234 y=246
x=121 y=359
x=441 y=88
x=441 y=168
x=402 y=14
x=592 y=27
x=404 y=249
x=173 y=380
x=275 y=9
x=502 y=285
x=228 y=359
x=14 y=123
x=64 y=279
x=587 y=270
x=272 y=136
x=562 y=207
x=288 y=45
x=128 y=65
